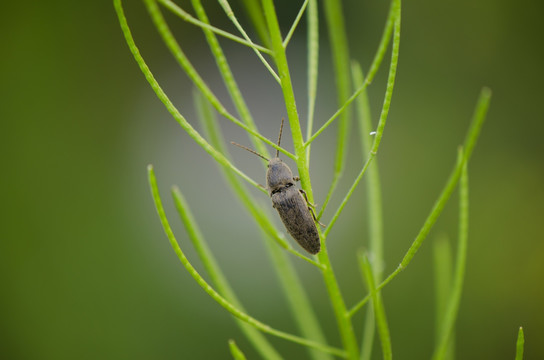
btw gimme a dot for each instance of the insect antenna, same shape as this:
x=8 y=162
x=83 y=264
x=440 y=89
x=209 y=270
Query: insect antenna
x=250 y=150
x=279 y=138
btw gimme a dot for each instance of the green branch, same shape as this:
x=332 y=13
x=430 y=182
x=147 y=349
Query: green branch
x=452 y=308
x=214 y=294
x=379 y=309
x=470 y=141
x=182 y=14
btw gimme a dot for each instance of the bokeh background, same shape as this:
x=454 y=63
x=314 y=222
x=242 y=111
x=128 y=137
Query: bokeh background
x=86 y=270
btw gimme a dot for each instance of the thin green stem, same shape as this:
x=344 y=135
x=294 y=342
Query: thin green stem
x=313 y=62
x=379 y=309
x=295 y=24
x=280 y=59
x=338 y=112
x=344 y=324
x=452 y=309
x=381 y=124
x=332 y=187
x=384 y=42
x=341 y=60
x=373 y=187
x=390 y=80
x=184 y=62
x=216 y=296
x=340 y=56
x=260 y=343
x=228 y=79
x=382 y=47
x=348 y=196
x=338 y=304
x=298 y=300
x=176 y=10
x=235 y=351
x=369 y=331
x=255 y=14
x=230 y=14
x=442 y=270
x=520 y=344
x=195 y=135
x=374 y=206
x=214 y=134
x=470 y=141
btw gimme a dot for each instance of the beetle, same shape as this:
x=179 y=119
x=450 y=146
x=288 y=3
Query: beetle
x=291 y=203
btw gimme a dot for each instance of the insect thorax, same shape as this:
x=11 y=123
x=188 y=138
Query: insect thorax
x=278 y=175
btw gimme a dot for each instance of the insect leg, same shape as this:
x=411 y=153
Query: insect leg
x=310 y=207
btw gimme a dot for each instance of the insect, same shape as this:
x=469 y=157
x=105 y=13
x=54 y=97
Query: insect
x=291 y=203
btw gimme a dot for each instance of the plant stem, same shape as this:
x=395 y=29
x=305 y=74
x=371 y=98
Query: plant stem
x=175 y=9
x=442 y=270
x=188 y=67
x=379 y=309
x=313 y=62
x=235 y=351
x=345 y=326
x=298 y=300
x=230 y=14
x=216 y=296
x=295 y=23
x=260 y=342
x=288 y=95
x=470 y=141
x=340 y=56
x=228 y=79
x=452 y=309
x=519 y=344
x=195 y=135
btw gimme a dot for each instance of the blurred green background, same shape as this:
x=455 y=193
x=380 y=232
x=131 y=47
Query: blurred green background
x=87 y=272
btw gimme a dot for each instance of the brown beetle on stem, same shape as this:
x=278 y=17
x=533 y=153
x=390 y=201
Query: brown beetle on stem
x=291 y=203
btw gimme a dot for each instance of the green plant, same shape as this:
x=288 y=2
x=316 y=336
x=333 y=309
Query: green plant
x=351 y=87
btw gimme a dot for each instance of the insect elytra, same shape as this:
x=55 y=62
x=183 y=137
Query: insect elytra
x=291 y=203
